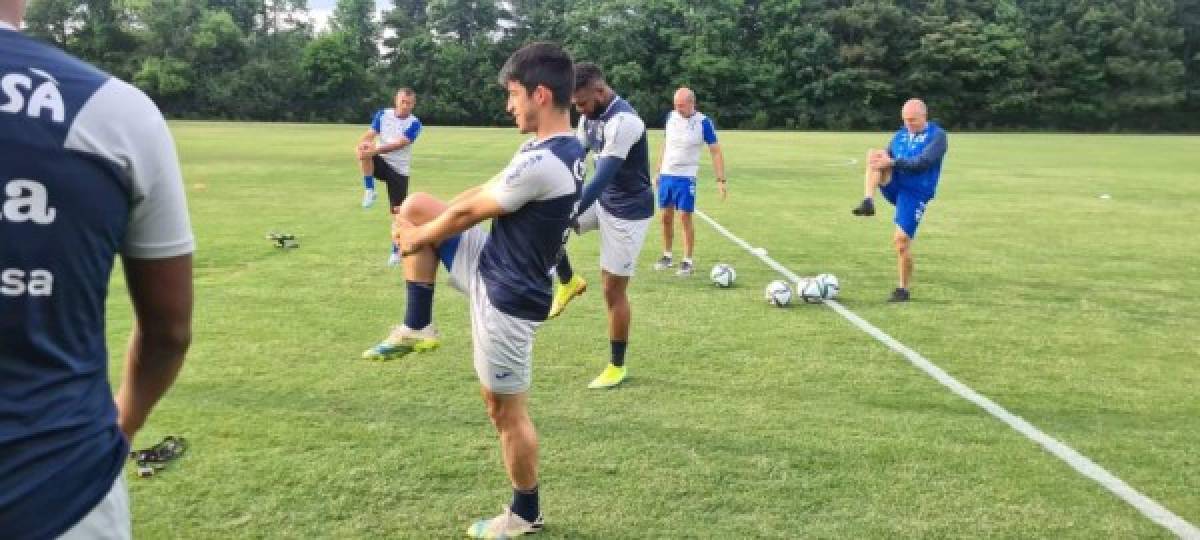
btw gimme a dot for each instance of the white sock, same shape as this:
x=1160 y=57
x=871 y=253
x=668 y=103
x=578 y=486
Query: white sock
x=667 y=254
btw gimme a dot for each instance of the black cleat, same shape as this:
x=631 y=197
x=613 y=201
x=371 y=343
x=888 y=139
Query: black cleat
x=865 y=208
x=899 y=295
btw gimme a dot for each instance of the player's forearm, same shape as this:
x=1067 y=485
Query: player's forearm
x=718 y=160
x=930 y=155
x=153 y=361
x=465 y=195
x=606 y=170
x=391 y=147
x=457 y=218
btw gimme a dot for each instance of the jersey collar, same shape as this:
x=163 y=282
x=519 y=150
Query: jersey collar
x=538 y=142
x=608 y=109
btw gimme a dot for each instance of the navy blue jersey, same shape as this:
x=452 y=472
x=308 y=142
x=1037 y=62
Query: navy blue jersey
x=87 y=170
x=620 y=133
x=540 y=190
x=918 y=159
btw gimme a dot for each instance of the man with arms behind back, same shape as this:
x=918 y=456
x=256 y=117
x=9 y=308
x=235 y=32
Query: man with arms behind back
x=87 y=170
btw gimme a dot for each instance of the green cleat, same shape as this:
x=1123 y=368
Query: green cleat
x=402 y=341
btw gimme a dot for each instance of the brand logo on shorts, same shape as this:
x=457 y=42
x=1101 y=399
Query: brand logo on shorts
x=503 y=375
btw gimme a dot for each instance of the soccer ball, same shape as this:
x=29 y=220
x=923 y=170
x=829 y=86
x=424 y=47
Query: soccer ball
x=778 y=293
x=832 y=287
x=812 y=290
x=722 y=275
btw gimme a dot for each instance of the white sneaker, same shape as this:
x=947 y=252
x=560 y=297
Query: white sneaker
x=664 y=263
x=368 y=198
x=394 y=259
x=505 y=525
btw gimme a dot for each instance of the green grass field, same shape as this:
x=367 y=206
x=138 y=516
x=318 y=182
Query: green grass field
x=739 y=420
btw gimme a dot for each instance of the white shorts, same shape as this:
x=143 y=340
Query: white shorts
x=503 y=344
x=620 y=239
x=109 y=520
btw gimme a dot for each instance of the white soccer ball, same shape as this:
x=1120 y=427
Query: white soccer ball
x=832 y=287
x=778 y=293
x=811 y=290
x=722 y=275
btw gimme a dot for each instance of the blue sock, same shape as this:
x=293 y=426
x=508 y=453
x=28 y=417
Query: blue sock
x=525 y=504
x=565 y=273
x=368 y=181
x=618 y=352
x=419 y=312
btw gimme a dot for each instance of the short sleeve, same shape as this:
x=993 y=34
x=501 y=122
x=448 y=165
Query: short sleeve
x=524 y=180
x=413 y=131
x=120 y=124
x=710 y=133
x=376 y=121
x=620 y=134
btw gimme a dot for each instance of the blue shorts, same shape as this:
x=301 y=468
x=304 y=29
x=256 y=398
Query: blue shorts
x=910 y=207
x=677 y=192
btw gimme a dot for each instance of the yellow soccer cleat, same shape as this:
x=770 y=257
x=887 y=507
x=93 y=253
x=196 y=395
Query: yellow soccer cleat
x=404 y=340
x=505 y=525
x=610 y=377
x=564 y=293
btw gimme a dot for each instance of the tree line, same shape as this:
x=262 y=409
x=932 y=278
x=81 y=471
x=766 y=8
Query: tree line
x=757 y=64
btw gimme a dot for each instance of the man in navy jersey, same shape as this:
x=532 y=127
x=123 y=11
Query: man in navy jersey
x=907 y=175
x=87 y=171
x=624 y=205
x=505 y=273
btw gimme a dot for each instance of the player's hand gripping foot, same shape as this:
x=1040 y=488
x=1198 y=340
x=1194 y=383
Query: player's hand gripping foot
x=686 y=268
x=664 y=263
x=610 y=377
x=404 y=340
x=564 y=293
x=865 y=208
x=505 y=525
x=368 y=198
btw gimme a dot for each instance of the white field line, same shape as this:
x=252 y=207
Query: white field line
x=1084 y=466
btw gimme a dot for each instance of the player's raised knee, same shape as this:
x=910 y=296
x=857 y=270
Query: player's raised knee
x=419 y=208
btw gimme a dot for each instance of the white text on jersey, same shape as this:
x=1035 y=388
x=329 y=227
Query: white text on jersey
x=27 y=200
x=20 y=95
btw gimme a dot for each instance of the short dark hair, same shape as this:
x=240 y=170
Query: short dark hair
x=587 y=74
x=541 y=64
x=407 y=91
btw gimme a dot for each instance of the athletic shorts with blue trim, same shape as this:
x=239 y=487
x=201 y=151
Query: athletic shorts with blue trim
x=910 y=207
x=677 y=192
x=503 y=344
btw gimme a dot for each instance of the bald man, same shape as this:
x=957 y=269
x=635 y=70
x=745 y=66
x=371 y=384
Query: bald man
x=686 y=131
x=907 y=175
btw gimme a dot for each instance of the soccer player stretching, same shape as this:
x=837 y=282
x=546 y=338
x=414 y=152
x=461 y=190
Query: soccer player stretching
x=505 y=273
